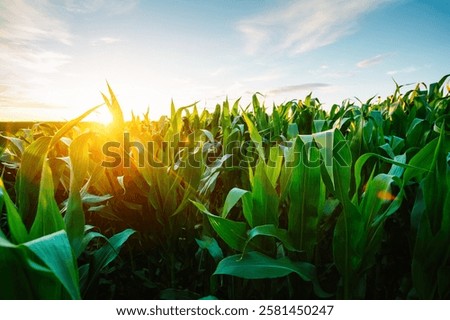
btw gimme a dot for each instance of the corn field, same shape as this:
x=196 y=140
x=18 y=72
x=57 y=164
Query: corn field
x=239 y=202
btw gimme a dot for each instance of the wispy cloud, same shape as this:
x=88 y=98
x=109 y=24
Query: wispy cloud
x=404 y=70
x=219 y=71
x=23 y=21
x=105 y=40
x=25 y=29
x=372 y=60
x=298 y=87
x=31 y=43
x=31 y=59
x=270 y=75
x=326 y=72
x=109 y=6
x=305 y=25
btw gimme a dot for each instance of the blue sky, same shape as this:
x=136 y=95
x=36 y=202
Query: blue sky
x=55 y=56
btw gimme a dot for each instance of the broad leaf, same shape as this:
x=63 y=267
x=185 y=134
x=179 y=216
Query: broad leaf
x=254 y=265
x=232 y=232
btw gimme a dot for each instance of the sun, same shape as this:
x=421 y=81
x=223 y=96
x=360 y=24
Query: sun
x=101 y=116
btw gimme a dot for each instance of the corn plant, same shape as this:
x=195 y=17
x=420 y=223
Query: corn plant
x=233 y=202
x=43 y=243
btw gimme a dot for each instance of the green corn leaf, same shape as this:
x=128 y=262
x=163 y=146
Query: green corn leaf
x=208 y=135
x=40 y=269
x=89 y=236
x=420 y=163
x=17 y=228
x=397 y=170
x=399 y=166
x=276 y=122
x=254 y=135
x=74 y=220
x=27 y=186
x=435 y=187
x=416 y=132
x=48 y=218
x=55 y=252
x=114 y=108
x=52 y=249
x=232 y=232
x=348 y=239
x=79 y=160
x=270 y=230
x=247 y=204
x=212 y=246
x=102 y=258
x=25 y=276
x=59 y=167
x=274 y=164
x=106 y=254
x=265 y=199
x=191 y=175
x=428 y=257
x=348 y=246
x=27 y=183
x=254 y=265
x=176 y=116
x=225 y=122
x=70 y=124
x=167 y=201
x=342 y=161
x=94 y=199
x=431 y=250
x=377 y=205
x=74 y=217
x=324 y=141
x=286 y=174
x=14 y=273
x=306 y=196
x=233 y=197
x=16 y=143
x=378 y=193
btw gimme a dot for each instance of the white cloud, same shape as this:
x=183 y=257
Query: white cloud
x=23 y=21
x=339 y=74
x=326 y=72
x=305 y=25
x=109 y=6
x=298 y=87
x=109 y=40
x=32 y=59
x=105 y=40
x=83 y=6
x=31 y=41
x=25 y=29
x=219 y=71
x=372 y=61
x=270 y=75
x=404 y=70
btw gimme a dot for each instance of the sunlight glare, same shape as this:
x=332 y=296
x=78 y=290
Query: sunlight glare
x=101 y=116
